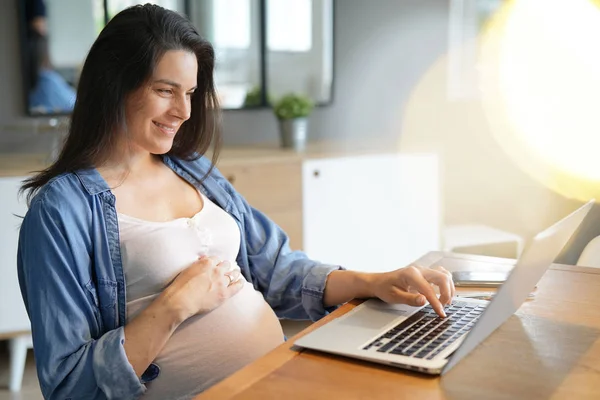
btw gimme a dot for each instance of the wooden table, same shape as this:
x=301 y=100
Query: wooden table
x=550 y=349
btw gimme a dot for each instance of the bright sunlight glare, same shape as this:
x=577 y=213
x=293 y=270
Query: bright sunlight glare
x=540 y=79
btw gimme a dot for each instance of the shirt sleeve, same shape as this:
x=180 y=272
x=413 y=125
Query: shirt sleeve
x=291 y=283
x=74 y=357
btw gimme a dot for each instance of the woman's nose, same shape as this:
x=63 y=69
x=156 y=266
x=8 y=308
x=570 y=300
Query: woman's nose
x=183 y=107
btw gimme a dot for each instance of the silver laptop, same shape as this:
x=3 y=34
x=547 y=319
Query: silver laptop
x=415 y=338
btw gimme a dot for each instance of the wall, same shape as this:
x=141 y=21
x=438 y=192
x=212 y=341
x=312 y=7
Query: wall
x=389 y=84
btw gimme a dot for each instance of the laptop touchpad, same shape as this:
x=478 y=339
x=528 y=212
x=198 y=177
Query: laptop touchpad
x=373 y=317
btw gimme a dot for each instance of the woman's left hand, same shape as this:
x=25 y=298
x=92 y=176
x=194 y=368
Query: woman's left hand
x=412 y=286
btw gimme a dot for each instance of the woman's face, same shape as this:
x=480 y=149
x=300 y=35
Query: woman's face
x=155 y=111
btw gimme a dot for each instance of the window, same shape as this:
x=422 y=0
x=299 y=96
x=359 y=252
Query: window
x=231 y=24
x=289 y=25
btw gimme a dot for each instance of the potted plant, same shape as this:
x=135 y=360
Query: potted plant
x=292 y=111
x=254 y=97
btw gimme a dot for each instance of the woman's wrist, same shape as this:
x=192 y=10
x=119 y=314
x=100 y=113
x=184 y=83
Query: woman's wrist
x=363 y=284
x=343 y=286
x=147 y=333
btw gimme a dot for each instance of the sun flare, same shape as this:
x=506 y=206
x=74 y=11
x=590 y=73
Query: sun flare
x=539 y=72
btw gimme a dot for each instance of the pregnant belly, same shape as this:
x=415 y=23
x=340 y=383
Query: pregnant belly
x=207 y=348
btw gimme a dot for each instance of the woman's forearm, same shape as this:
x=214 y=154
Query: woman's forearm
x=147 y=334
x=343 y=286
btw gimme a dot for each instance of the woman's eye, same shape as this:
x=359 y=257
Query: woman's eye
x=190 y=94
x=165 y=91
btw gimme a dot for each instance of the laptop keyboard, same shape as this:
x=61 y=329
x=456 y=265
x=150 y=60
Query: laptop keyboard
x=424 y=334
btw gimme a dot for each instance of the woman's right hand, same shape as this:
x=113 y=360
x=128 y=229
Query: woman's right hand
x=202 y=287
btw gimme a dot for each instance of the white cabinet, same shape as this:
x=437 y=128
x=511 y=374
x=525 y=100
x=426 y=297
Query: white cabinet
x=13 y=317
x=371 y=213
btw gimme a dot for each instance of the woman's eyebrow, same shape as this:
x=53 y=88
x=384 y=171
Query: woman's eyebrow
x=171 y=83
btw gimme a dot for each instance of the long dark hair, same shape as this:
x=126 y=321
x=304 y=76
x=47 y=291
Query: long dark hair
x=121 y=60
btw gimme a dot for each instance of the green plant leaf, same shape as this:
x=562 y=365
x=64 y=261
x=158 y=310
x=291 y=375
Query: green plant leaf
x=293 y=105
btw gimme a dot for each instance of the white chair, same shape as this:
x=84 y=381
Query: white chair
x=17 y=348
x=590 y=256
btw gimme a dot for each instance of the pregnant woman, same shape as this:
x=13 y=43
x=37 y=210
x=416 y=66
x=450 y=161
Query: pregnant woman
x=144 y=273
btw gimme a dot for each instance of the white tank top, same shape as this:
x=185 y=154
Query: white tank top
x=205 y=348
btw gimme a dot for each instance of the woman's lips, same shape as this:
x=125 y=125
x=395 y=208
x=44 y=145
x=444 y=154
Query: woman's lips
x=168 y=130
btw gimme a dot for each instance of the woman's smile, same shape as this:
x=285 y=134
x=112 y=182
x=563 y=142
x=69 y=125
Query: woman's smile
x=169 y=130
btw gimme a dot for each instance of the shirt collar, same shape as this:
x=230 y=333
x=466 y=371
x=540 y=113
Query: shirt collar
x=92 y=181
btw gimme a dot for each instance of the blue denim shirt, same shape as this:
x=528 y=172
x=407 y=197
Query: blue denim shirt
x=72 y=281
